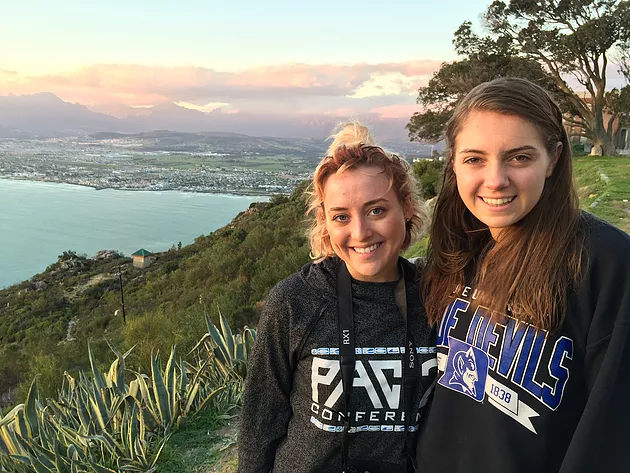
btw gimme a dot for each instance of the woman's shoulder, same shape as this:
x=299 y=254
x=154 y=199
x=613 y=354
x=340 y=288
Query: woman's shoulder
x=312 y=280
x=413 y=266
x=605 y=241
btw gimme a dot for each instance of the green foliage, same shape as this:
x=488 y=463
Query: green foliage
x=419 y=248
x=230 y=351
x=543 y=42
x=429 y=173
x=96 y=426
x=571 y=37
x=577 y=150
x=105 y=423
x=233 y=267
x=484 y=59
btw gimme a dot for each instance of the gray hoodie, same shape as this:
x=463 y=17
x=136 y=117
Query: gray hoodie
x=291 y=420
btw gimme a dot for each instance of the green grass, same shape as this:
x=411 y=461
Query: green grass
x=419 y=248
x=605 y=198
x=200 y=447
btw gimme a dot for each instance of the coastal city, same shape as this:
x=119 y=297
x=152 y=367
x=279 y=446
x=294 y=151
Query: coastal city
x=133 y=164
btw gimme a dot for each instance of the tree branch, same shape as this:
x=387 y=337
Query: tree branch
x=611 y=122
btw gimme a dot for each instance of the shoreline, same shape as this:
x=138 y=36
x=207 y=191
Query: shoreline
x=248 y=193
x=104 y=221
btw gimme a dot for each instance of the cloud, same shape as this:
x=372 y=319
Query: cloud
x=388 y=83
x=8 y=73
x=294 y=87
x=207 y=108
x=396 y=110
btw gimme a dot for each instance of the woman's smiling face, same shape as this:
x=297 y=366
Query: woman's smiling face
x=501 y=164
x=366 y=222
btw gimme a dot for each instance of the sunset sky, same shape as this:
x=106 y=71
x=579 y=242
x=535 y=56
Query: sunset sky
x=336 y=57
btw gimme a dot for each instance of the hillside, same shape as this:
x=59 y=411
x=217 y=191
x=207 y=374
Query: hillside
x=46 y=322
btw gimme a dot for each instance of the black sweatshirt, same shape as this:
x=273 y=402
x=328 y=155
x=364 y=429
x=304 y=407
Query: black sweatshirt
x=291 y=409
x=510 y=399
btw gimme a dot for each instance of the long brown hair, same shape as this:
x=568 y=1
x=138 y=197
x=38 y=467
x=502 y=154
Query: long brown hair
x=534 y=262
x=353 y=147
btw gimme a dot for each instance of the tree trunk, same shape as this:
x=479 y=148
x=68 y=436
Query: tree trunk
x=603 y=141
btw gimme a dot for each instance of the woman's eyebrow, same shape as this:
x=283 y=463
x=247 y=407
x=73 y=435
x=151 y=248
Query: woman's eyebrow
x=520 y=148
x=471 y=150
x=509 y=151
x=367 y=204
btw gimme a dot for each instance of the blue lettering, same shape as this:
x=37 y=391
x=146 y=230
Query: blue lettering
x=472 y=330
x=530 y=333
x=482 y=332
x=512 y=339
x=563 y=349
x=529 y=384
x=490 y=339
x=451 y=320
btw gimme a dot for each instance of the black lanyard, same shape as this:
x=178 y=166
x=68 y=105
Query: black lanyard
x=347 y=358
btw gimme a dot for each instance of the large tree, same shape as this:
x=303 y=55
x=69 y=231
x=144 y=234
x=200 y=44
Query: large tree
x=547 y=41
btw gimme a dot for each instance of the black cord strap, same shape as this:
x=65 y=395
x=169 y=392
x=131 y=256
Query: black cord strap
x=347 y=358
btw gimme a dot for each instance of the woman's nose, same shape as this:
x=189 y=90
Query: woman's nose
x=496 y=177
x=361 y=229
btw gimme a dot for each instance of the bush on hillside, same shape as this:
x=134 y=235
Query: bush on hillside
x=429 y=173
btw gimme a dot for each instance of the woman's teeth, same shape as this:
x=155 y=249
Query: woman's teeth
x=503 y=201
x=368 y=249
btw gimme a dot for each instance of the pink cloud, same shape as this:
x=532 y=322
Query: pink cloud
x=296 y=86
x=401 y=110
x=182 y=83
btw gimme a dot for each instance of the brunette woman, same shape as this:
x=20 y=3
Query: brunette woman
x=531 y=297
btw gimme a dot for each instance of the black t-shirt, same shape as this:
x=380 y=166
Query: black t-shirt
x=514 y=399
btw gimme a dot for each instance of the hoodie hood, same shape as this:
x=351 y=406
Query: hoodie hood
x=322 y=277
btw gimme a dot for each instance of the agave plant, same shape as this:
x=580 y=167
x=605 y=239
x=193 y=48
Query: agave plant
x=102 y=423
x=95 y=425
x=229 y=351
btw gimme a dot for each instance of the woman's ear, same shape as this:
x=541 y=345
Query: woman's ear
x=408 y=209
x=554 y=159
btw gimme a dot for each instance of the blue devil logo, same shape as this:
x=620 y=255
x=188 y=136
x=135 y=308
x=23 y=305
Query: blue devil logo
x=465 y=371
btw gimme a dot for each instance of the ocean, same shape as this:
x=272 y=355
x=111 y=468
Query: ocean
x=41 y=220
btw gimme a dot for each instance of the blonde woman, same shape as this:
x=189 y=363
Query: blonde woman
x=344 y=352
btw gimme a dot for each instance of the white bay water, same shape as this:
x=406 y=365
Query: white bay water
x=40 y=220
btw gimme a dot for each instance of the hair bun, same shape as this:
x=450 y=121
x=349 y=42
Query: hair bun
x=349 y=134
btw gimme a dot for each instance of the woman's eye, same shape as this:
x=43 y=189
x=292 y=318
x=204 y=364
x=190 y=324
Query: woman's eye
x=377 y=211
x=521 y=158
x=472 y=160
x=340 y=218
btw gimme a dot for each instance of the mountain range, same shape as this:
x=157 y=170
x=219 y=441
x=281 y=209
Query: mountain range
x=46 y=115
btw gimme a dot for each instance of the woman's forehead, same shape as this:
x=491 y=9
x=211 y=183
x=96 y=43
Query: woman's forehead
x=357 y=187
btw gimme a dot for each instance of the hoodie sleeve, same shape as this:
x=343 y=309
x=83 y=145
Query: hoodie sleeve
x=266 y=400
x=601 y=439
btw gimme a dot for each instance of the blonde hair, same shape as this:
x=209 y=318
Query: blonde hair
x=352 y=147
